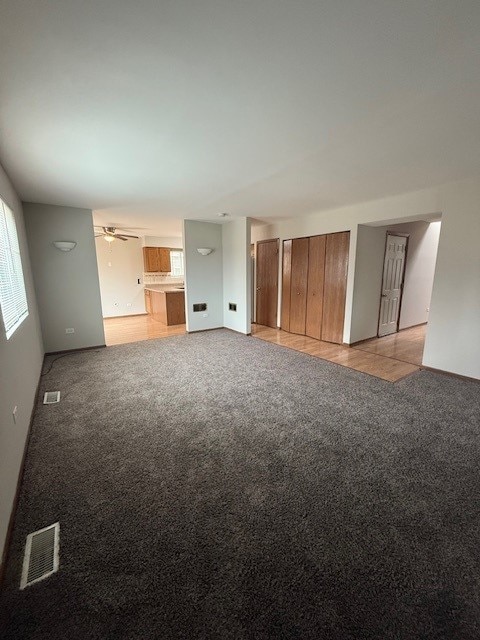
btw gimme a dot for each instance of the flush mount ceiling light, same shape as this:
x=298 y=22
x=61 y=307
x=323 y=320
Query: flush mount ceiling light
x=65 y=245
x=204 y=251
x=224 y=214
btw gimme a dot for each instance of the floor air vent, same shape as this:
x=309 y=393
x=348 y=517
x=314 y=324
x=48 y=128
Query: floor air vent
x=41 y=555
x=51 y=397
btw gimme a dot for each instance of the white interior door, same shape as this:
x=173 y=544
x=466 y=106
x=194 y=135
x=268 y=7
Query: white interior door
x=393 y=270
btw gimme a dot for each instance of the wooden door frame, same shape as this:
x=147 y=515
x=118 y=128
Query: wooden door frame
x=277 y=240
x=399 y=235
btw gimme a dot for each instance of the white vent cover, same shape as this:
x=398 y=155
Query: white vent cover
x=41 y=555
x=51 y=397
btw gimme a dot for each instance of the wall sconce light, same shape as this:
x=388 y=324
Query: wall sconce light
x=65 y=245
x=204 y=251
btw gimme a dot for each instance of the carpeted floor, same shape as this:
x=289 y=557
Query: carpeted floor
x=214 y=486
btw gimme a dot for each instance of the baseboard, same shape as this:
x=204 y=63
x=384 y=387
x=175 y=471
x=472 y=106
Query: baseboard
x=354 y=344
x=54 y=353
x=129 y=315
x=240 y=333
x=21 y=473
x=420 y=324
x=450 y=373
x=202 y=330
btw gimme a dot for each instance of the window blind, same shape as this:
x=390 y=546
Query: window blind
x=176 y=261
x=13 y=298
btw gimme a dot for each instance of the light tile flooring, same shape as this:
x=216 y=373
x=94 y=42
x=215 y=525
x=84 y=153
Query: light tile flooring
x=134 y=328
x=390 y=358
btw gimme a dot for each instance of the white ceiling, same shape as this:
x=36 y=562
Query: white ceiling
x=157 y=110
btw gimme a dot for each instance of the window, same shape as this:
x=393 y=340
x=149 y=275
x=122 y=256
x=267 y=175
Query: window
x=176 y=262
x=13 y=298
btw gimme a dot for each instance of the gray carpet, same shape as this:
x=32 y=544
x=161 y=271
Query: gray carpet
x=217 y=486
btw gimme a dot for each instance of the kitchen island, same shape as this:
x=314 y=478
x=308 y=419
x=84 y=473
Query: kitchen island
x=165 y=303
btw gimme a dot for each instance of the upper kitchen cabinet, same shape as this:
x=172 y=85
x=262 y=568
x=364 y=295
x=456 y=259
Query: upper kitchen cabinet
x=156 y=259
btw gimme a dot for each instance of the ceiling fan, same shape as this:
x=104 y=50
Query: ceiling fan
x=110 y=234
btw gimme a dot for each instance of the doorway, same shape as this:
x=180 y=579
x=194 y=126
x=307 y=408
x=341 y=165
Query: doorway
x=267 y=282
x=399 y=331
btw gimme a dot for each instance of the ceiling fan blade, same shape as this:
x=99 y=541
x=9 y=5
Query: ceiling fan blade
x=120 y=238
x=99 y=235
x=125 y=235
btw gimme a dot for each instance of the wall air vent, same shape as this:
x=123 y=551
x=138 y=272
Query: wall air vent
x=51 y=397
x=201 y=306
x=41 y=555
x=232 y=306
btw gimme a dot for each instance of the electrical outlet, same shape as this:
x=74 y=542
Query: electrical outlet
x=71 y=330
x=129 y=304
x=427 y=309
x=14 y=414
x=205 y=315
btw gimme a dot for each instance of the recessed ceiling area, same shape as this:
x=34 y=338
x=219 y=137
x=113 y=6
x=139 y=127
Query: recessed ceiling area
x=151 y=112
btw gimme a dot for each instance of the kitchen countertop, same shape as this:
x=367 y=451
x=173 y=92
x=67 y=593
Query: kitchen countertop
x=164 y=288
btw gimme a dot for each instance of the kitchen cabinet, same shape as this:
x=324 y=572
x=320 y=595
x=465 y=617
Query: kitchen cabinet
x=156 y=259
x=167 y=307
x=148 y=301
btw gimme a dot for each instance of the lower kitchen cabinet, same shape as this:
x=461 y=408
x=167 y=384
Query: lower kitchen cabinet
x=167 y=307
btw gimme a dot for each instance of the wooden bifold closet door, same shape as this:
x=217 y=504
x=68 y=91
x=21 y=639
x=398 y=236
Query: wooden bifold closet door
x=286 y=285
x=316 y=269
x=335 y=287
x=314 y=286
x=298 y=295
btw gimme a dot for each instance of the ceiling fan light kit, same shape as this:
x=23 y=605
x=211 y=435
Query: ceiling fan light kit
x=110 y=234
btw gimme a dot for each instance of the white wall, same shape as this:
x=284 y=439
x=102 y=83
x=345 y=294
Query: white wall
x=156 y=241
x=419 y=273
x=452 y=342
x=20 y=364
x=452 y=337
x=368 y=282
x=120 y=266
x=419 y=270
x=203 y=274
x=237 y=274
x=66 y=283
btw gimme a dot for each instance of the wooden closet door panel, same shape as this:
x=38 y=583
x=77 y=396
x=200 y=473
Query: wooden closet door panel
x=267 y=282
x=286 y=284
x=335 y=287
x=316 y=273
x=298 y=294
